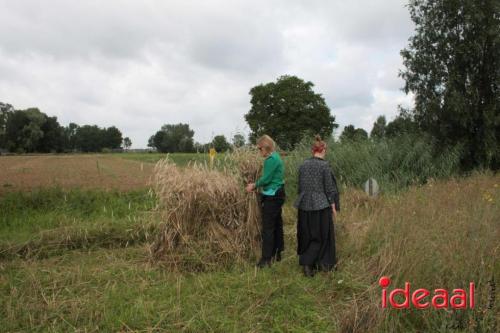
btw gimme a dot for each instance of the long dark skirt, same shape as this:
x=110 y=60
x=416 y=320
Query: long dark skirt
x=316 y=238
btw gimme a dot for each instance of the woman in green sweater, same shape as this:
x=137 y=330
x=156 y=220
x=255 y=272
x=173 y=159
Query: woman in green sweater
x=271 y=186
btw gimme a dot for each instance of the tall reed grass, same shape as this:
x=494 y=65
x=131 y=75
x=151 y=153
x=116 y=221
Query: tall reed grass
x=394 y=163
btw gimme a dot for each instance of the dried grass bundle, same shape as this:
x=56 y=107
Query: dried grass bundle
x=246 y=162
x=209 y=220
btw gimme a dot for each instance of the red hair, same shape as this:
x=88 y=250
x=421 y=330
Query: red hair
x=318 y=145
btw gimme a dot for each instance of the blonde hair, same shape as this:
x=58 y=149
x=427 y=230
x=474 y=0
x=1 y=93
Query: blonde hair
x=267 y=143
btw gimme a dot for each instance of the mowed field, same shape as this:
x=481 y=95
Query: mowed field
x=75 y=233
x=123 y=172
x=24 y=173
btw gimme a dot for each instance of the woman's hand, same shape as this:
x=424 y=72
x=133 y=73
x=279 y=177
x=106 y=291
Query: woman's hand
x=250 y=187
x=334 y=211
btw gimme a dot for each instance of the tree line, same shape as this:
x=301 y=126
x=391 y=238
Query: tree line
x=32 y=131
x=451 y=67
x=401 y=125
x=175 y=138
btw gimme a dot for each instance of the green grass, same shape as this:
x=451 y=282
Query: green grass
x=89 y=283
x=109 y=290
x=27 y=214
x=89 y=267
x=181 y=159
x=49 y=222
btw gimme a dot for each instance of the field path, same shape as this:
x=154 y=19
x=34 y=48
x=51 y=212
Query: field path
x=70 y=171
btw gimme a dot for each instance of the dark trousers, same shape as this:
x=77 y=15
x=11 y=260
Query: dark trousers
x=272 y=224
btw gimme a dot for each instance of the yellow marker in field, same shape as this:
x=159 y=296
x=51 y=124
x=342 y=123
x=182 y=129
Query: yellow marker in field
x=212 y=154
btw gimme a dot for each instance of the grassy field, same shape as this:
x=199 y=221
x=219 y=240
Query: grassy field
x=76 y=258
x=178 y=158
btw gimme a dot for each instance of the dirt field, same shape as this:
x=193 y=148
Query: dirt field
x=68 y=171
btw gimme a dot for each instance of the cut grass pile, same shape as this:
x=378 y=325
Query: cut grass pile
x=208 y=219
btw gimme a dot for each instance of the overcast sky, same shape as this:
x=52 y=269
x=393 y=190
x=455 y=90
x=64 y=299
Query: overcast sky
x=140 y=64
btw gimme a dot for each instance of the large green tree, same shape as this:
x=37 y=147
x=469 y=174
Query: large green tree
x=53 y=139
x=127 y=143
x=92 y=138
x=23 y=130
x=402 y=125
x=112 y=138
x=70 y=136
x=220 y=144
x=89 y=138
x=238 y=140
x=453 y=68
x=287 y=110
x=379 y=128
x=172 y=138
x=350 y=133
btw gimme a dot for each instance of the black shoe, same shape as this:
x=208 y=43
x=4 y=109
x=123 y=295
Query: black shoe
x=263 y=263
x=308 y=271
x=277 y=256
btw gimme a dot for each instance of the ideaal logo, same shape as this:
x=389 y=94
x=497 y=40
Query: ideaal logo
x=421 y=298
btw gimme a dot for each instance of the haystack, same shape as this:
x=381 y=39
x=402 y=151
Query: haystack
x=209 y=219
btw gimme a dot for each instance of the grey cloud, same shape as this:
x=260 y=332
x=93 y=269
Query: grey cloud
x=237 y=42
x=374 y=23
x=80 y=29
x=138 y=65
x=232 y=51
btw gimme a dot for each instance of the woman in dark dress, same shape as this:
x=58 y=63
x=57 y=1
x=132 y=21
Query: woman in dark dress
x=317 y=204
